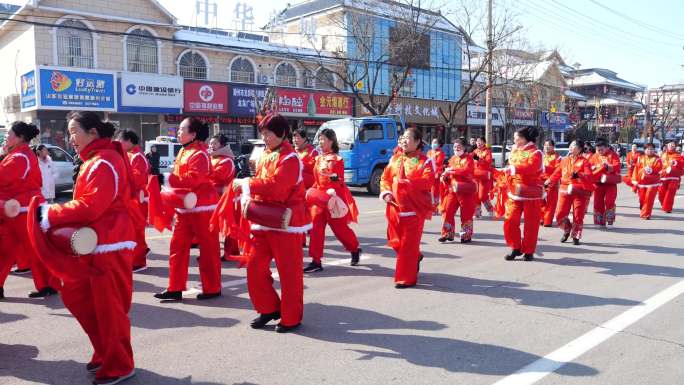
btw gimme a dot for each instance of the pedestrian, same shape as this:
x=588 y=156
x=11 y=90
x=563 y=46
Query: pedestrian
x=154 y=160
x=191 y=173
x=101 y=302
x=605 y=166
x=472 y=145
x=21 y=180
x=307 y=154
x=222 y=175
x=277 y=185
x=577 y=184
x=646 y=176
x=673 y=168
x=551 y=163
x=329 y=185
x=482 y=155
x=406 y=186
x=525 y=193
x=439 y=157
x=460 y=192
x=140 y=171
x=48 y=171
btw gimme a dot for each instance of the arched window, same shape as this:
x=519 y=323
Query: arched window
x=192 y=66
x=286 y=75
x=309 y=78
x=325 y=80
x=141 y=51
x=74 y=45
x=242 y=71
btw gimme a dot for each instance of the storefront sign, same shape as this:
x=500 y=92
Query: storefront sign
x=523 y=117
x=416 y=111
x=141 y=92
x=28 y=91
x=212 y=119
x=313 y=104
x=243 y=98
x=205 y=97
x=556 y=121
x=62 y=89
x=477 y=115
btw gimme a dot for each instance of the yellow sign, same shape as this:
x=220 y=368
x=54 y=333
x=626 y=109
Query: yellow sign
x=553 y=108
x=359 y=85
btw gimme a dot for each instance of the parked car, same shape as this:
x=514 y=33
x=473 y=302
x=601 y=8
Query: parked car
x=168 y=148
x=497 y=155
x=64 y=164
x=258 y=147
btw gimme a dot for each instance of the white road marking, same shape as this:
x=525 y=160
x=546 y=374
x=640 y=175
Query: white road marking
x=572 y=350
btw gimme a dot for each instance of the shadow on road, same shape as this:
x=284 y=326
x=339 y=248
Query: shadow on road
x=166 y=316
x=619 y=268
x=7 y=317
x=346 y=325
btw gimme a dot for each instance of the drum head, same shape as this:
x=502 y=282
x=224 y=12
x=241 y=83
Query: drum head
x=141 y=196
x=84 y=241
x=12 y=208
x=190 y=200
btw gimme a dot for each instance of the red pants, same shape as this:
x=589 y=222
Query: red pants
x=549 y=205
x=647 y=197
x=408 y=251
x=101 y=305
x=666 y=194
x=286 y=248
x=452 y=202
x=578 y=203
x=230 y=247
x=339 y=226
x=604 y=204
x=188 y=226
x=140 y=252
x=484 y=187
x=514 y=211
x=16 y=246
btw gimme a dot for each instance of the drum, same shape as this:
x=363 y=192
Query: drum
x=72 y=240
x=178 y=198
x=572 y=189
x=611 y=179
x=267 y=214
x=529 y=191
x=10 y=208
x=317 y=197
x=463 y=187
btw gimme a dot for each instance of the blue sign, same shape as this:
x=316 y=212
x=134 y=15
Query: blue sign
x=556 y=121
x=66 y=90
x=241 y=99
x=28 y=90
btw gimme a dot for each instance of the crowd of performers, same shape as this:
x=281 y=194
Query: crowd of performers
x=297 y=191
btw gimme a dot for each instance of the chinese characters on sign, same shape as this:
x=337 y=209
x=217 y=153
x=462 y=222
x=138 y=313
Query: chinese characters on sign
x=62 y=89
x=28 y=90
x=151 y=93
x=205 y=97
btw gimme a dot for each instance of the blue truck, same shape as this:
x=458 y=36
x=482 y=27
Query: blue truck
x=366 y=145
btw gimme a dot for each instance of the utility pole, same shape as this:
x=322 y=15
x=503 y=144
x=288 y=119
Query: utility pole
x=488 y=102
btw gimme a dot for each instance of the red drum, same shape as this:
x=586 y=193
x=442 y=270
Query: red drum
x=267 y=214
x=611 y=179
x=316 y=197
x=72 y=240
x=464 y=187
x=572 y=189
x=178 y=198
x=10 y=208
x=529 y=192
x=485 y=174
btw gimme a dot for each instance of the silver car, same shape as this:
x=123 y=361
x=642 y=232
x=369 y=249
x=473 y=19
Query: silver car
x=64 y=163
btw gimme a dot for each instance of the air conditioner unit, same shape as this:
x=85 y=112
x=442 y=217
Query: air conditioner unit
x=263 y=79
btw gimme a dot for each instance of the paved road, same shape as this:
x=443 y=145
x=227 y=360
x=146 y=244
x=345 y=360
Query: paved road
x=473 y=319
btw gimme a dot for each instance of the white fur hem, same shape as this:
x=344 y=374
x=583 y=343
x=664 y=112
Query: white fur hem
x=198 y=209
x=519 y=198
x=670 y=178
x=44 y=213
x=290 y=229
x=512 y=168
x=649 y=185
x=407 y=214
x=112 y=247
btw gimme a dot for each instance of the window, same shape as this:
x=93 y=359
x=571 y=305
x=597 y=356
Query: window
x=141 y=48
x=325 y=79
x=409 y=48
x=58 y=155
x=286 y=75
x=74 y=45
x=163 y=150
x=370 y=131
x=242 y=71
x=308 y=79
x=176 y=149
x=192 y=66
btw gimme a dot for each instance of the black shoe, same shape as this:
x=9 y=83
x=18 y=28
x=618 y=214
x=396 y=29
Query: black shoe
x=169 y=295
x=442 y=239
x=313 y=267
x=528 y=257
x=92 y=367
x=203 y=296
x=280 y=328
x=194 y=246
x=450 y=239
x=420 y=259
x=565 y=237
x=21 y=271
x=263 y=319
x=42 y=293
x=113 y=380
x=513 y=254
x=547 y=226
x=464 y=240
x=355 y=256
x=402 y=286
x=2 y=292
x=575 y=241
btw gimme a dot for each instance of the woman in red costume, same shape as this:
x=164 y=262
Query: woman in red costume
x=191 y=172
x=102 y=198
x=21 y=180
x=576 y=182
x=483 y=175
x=307 y=153
x=140 y=170
x=646 y=176
x=525 y=194
x=673 y=168
x=406 y=186
x=605 y=166
x=329 y=182
x=460 y=192
x=551 y=163
x=439 y=157
x=279 y=182
x=222 y=175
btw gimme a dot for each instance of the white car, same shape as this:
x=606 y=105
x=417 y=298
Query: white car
x=497 y=156
x=64 y=163
x=168 y=148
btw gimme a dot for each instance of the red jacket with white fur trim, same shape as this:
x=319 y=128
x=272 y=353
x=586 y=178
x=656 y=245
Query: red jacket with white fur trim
x=192 y=171
x=20 y=176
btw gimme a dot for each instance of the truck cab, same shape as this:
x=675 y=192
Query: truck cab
x=366 y=145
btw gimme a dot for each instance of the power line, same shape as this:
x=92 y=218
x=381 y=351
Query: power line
x=638 y=22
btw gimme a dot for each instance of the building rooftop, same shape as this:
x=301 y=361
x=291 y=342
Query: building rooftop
x=598 y=76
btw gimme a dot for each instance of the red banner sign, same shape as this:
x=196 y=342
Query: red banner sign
x=205 y=97
x=312 y=103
